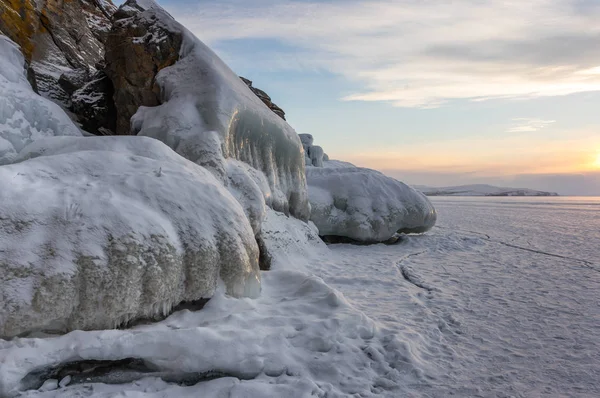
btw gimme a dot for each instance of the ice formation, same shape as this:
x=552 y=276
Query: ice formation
x=361 y=204
x=99 y=231
x=24 y=115
x=208 y=114
x=300 y=338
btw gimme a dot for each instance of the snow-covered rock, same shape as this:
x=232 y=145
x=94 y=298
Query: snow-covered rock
x=208 y=114
x=365 y=205
x=360 y=204
x=24 y=115
x=316 y=155
x=265 y=98
x=300 y=338
x=97 y=231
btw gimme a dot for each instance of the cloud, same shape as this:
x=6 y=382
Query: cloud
x=420 y=53
x=525 y=125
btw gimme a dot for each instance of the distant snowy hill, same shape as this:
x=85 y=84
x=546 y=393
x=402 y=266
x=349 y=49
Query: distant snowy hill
x=480 y=190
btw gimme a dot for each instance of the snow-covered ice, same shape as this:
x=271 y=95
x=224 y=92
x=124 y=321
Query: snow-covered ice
x=299 y=338
x=98 y=231
x=489 y=303
x=24 y=115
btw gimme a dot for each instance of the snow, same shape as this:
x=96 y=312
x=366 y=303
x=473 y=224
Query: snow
x=365 y=205
x=453 y=312
x=299 y=338
x=99 y=231
x=24 y=115
x=509 y=303
x=208 y=114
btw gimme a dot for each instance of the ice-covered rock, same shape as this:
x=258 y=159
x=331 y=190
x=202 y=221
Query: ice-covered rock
x=306 y=139
x=97 y=231
x=24 y=115
x=360 y=204
x=250 y=187
x=207 y=113
x=365 y=205
x=316 y=154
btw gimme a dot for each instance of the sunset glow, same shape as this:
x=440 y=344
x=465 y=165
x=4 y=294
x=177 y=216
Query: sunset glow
x=435 y=93
x=597 y=162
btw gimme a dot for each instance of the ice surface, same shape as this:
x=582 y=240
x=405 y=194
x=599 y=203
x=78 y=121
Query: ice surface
x=512 y=306
x=365 y=205
x=24 y=115
x=98 y=231
x=208 y=114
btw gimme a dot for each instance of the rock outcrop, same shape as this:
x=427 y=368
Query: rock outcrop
x=93 y=105
x=139 y=46
x=264 y=97
x=62 y=41
x=360 y=205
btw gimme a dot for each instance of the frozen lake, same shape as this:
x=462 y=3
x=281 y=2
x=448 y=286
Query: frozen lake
x=501 y=298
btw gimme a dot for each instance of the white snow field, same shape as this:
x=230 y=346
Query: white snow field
x=499 y=300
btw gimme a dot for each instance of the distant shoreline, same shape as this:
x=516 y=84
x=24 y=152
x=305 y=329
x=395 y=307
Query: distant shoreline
x=482 y=190
x=542 y=194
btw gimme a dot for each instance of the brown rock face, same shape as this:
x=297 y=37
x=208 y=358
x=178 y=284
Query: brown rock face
x=63 y=42
x=19 y=20
x=57 y=35
x=264 y=97
x=137 y=48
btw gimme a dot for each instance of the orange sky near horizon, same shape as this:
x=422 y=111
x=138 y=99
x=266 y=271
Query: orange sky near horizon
x=507 y=155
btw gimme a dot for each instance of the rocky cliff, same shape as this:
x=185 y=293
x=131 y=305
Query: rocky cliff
x=63 y=42
x=77 y=56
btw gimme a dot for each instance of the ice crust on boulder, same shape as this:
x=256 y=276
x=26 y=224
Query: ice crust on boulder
x=24 y=115
x=97 y=231
x=365 y=205
x=208 y=114
x=361 y=204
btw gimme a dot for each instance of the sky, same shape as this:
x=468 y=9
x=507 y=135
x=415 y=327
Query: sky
x=431 y=92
